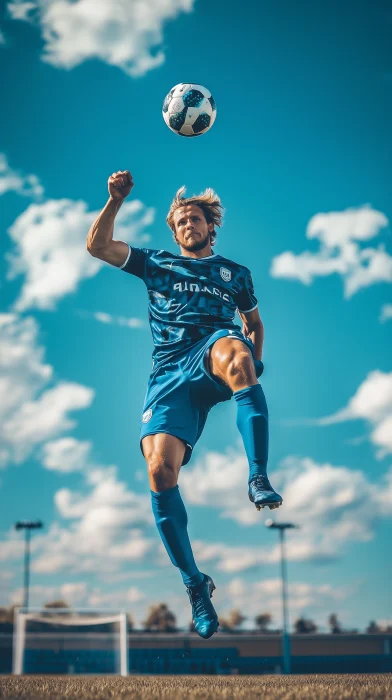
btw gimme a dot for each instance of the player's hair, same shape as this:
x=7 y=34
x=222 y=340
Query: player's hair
x=208 y=201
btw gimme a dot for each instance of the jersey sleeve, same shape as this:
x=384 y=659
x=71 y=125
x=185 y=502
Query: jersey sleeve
x=136 y=262
x=245 y=299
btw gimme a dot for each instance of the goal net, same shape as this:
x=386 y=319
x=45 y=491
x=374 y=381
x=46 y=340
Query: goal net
x=64 y=641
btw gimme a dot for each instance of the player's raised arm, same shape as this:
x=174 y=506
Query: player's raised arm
x=100 y=243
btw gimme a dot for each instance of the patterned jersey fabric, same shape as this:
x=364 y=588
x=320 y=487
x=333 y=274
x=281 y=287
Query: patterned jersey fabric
x=189 y=298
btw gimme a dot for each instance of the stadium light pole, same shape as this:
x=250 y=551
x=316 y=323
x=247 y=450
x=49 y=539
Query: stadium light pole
x=27 y=526
x=281 y=527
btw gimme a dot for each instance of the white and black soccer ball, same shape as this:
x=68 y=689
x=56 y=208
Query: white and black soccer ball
x=189 y=109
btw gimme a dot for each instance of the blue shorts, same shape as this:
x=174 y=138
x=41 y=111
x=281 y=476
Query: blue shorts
x=181 y=393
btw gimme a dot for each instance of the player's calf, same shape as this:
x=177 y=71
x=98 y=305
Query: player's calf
x=164 y=454
x=233 y=362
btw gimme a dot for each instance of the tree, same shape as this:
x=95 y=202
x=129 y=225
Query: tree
x=304 y=626
x=236 y=618
x=57 y=604
x=224 y=624
x=160 y=619
x=4 y=615
x=7 y=614
x=232 y=622
x=263 y=621
x=373 y=628
x=334 y=624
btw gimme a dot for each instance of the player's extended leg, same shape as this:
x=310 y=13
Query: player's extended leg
x=164 y=455
x=231 y=361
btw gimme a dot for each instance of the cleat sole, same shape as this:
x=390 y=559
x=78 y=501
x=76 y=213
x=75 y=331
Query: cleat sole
x=271 y=506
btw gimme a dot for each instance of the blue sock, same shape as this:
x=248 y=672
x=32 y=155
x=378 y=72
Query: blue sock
x=252 y=422
x=172 y=520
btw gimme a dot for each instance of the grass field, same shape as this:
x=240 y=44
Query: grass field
x=176 y=687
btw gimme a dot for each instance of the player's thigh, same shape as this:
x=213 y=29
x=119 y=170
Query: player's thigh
x=163 y=452
x=228 y=352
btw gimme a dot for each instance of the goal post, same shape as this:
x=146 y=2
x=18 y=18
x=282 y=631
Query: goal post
x=62 y=640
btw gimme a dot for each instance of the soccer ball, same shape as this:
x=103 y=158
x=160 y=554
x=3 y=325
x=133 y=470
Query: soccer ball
x=189 y=109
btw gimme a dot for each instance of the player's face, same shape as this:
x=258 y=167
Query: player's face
x=192 y=229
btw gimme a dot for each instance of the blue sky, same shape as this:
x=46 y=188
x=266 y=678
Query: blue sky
x=300 y=155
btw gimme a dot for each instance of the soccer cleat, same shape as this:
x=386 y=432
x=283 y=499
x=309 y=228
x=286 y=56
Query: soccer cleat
x=204 y=616
x=262 y=494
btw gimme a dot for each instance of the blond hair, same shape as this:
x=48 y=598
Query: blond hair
x=208 y=201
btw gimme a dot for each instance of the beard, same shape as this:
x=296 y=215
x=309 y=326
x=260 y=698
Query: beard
x=197 y=245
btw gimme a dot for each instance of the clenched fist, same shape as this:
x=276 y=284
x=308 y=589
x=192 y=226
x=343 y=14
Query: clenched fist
x=120 y=184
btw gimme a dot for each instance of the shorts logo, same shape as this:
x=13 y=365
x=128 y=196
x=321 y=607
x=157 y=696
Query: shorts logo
x=146 y=416
x=225 y=274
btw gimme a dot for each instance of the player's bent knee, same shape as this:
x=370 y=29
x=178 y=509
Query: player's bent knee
x=239 y=372
x=162 y=474
x=231 y=357
x=241 y=363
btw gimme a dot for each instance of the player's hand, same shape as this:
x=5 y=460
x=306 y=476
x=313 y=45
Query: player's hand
x=120 y=184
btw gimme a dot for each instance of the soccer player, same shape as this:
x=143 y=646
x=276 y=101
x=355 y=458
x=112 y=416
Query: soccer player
x=200 y=358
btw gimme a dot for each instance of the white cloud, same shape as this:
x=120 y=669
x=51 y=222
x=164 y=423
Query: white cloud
x=31 y=411
x=340 y=235
x=6 y=575
x=335 y=229
x=106 y=528
x=50 y=240
x=12 y=547
x=46 y=417
x=23 y=372
x=116 y=577
x=382 y=437
x=12 y=181
x=71 y=593
x=332 y=505
x=386 y=312
x=371 y=402
x=21 y=9
x=220 y=478
x=109 y=319
x=120 y=599
x=312 y=600
x=66 y=454
x=128 y=35
x=77 y=594
x=230 y=558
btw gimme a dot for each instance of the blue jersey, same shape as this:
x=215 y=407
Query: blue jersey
x=189 y=298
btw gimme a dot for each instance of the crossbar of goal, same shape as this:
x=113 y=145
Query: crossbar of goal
x=65 y=617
